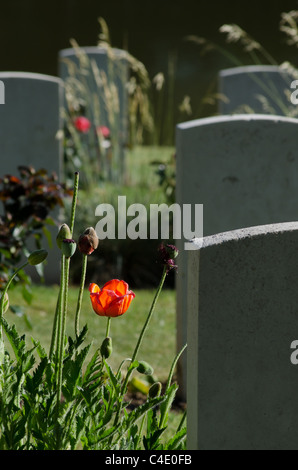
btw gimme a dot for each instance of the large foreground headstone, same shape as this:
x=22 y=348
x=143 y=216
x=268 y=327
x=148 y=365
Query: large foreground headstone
x=29 y=122
x=262 y=89
x=242 y=320
x=244 y=170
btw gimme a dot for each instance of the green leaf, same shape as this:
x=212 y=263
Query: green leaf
x=176 y=441
x=115 y=383
x=2 y=351
x=25 y=358
x=166 y=405
x=40 y=350
x=142 y=410
x=17 y=342
x=93 y=369
x=152 y=442
x=72 y=372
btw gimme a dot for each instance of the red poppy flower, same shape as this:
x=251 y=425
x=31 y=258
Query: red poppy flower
x=82 y=124
x=112 y=300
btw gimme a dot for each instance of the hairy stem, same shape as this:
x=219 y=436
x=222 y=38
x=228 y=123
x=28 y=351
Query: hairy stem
x=81 y=292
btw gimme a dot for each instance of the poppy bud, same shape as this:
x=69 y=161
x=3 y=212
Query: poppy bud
x=5 y=303
x=145 y=368
x=172 y=251
x=168 y=253
x=37 y=257
x=155 y=390
x=139 y=386
x=106 y=348
x=68 y=247
x=64 y=232
x=88 y=242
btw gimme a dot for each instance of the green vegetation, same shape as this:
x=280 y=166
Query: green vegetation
x=159 y=344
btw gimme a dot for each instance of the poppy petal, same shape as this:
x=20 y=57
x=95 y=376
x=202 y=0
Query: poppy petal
x=120 y=305
x=120 y=287
x=96 y=305
x=94 y=288
x=115 y=309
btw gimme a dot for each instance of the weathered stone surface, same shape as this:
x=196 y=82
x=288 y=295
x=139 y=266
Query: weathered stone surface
x=242 y=319
x=30 y=120
x=243 y=169
x=263 y=89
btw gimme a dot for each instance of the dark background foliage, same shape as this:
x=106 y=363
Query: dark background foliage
x=32 y=33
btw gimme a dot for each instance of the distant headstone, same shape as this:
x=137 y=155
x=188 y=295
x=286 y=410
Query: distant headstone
x=262 y=89
x=2 y=93
x=103 y=74
x=29 y=122
x=244 y=170
x=242 y=320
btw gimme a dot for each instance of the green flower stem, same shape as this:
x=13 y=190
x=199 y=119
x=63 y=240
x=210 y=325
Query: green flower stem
x=108 y=327
x=55 y=329
x=59 y=333
x=81 y=292
x=62 y=327
x=2 y=300
x=74 y=202
x=163 y=415
x=65 y=301
x=63 y=305
x=169 y=381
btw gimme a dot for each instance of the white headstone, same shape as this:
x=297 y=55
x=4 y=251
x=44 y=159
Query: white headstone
x=2 y=93
x=29 y=122
x=244 y=170
x=242 y=320
x=262 y=89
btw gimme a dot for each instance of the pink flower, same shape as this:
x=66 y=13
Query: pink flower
x=82 y=124
x=104 y=131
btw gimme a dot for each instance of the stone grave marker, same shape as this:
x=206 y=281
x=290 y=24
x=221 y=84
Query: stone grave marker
x=104 y=73
x=244 y=170
x=262 y=89
x=2 y=93
x=242 y=321
x=29 y=121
